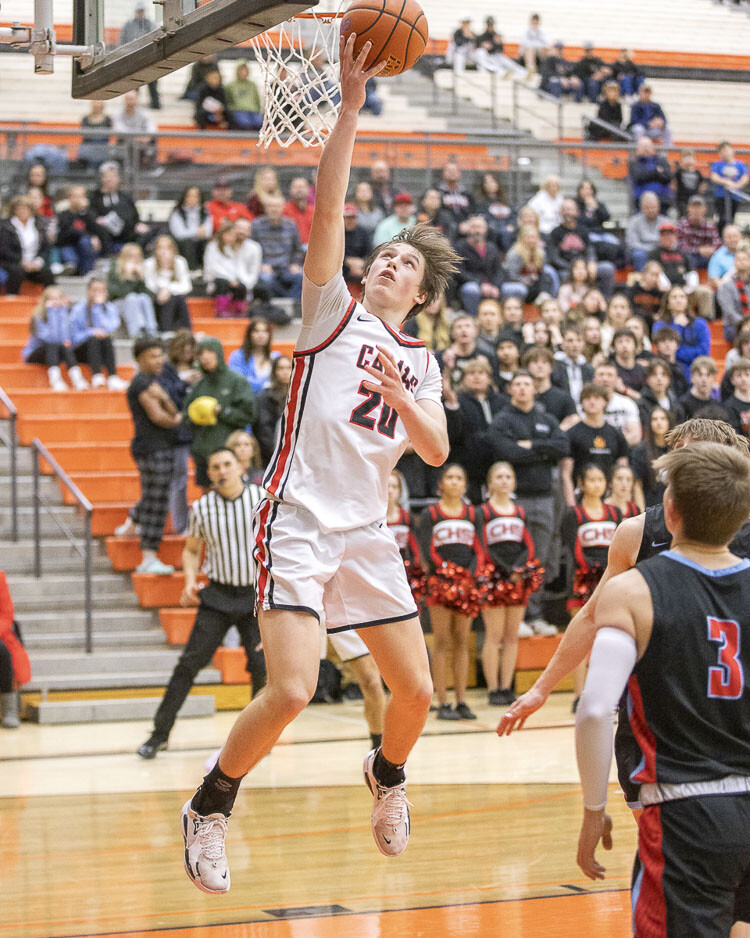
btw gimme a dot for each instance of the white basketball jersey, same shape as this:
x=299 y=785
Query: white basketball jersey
x=338 y=441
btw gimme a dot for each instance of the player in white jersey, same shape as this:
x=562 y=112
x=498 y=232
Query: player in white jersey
x=360 y=391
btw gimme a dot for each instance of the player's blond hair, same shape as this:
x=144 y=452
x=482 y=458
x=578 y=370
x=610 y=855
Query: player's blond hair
x=709 y=484
x=441 y=262
x=700 y=430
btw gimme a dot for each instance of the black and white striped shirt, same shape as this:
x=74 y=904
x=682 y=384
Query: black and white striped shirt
x=226 y=528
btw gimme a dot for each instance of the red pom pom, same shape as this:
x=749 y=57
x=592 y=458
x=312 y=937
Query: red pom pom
x=454 y=587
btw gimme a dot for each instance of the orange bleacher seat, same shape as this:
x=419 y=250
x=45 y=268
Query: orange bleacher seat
x=91 y=457
x=177 y=623
x=63 y=428
x=231 y=662
x=122 y=485
x=125 y=552
x=44 y=401
x=21 y=375
x=155 y=591
x=107 y=516
x=536 y=652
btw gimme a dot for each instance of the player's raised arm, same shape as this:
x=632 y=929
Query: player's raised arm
x=325 y=255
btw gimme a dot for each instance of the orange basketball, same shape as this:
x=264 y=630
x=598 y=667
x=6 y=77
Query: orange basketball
x=397 y=30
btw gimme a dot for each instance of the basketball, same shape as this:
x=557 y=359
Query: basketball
x=397 y=30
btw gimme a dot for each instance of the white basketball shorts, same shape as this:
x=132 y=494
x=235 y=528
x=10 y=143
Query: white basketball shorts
x=348 y=645
x=354 y=579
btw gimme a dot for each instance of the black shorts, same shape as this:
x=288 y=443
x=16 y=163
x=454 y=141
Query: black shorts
x=692 y=868
x=628 y=755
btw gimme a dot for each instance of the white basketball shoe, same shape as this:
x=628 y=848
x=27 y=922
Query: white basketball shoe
x=389 y=821
x=205 y=859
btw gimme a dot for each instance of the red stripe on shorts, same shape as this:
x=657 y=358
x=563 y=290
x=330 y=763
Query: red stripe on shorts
x=260 y=553
x=289 y=430
x=650 y=912
x=643 y=735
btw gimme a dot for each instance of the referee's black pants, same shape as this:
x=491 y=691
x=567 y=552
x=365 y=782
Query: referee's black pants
x=221 y=606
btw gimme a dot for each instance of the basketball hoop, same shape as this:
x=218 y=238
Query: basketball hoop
x=299 y=60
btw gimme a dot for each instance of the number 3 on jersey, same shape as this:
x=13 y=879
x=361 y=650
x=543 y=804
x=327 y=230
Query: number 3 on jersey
x=361 y=414
x=727 y=679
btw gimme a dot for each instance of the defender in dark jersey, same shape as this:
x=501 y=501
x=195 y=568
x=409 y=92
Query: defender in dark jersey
x=676 y=631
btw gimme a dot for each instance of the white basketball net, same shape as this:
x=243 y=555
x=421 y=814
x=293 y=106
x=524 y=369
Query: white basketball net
x=299 y=61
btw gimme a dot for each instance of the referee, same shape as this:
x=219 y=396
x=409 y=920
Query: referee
x=222 y=521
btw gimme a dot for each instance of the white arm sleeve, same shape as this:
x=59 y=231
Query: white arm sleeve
x=613 y=657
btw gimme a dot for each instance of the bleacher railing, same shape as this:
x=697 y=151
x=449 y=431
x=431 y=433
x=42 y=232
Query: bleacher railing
x=11 y=442
x=39 y=451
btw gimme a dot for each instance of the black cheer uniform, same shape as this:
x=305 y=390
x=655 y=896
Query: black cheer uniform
x=588 y=540
x=509 y=548
x=452 y=550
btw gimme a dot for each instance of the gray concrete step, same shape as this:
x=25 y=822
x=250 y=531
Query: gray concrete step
x=58 y=556
x=48 y=490
x=76 y=641
x=130 y=621
x=105 y=680
x=46 y=664
x=23 y=459
x=68 y=586
x=67 y=515
x=128 y=708
x=73 y=602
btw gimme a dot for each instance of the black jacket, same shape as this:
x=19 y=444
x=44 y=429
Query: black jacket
x=476 y=268
x=467 y=427
x=270 y=409
x=564 y=245
x=72 y=226
x=533 y=466
x=648 y=402
x=11 y=252
x=122 y=205
x=559 y=376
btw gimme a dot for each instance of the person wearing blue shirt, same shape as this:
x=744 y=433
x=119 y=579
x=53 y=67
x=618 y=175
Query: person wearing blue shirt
x=647 y=118
x=93 y=321
x=722 y=260
x=253 y=358
x=51 y=340
x=729 y=177
x=695 y=336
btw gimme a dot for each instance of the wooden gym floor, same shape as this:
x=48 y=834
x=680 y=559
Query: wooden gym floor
x=91 y=843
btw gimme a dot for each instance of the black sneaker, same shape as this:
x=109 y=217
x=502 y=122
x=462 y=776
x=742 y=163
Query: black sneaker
x=464 y=713
x=152 y=745
x=446 y=712
x=508 y=696
x=495 y=698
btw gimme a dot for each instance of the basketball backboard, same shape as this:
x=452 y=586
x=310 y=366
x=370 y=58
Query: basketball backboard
x=142 y=40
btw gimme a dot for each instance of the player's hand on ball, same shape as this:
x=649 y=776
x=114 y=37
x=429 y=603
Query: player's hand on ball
x=596 y=826
x=354 y=76
x=390 y=386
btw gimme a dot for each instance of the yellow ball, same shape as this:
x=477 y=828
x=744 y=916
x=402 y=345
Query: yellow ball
x=202 y=411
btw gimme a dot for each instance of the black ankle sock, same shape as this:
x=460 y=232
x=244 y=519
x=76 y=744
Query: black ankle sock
x=386 y=773
x=217 y=793
x=376 y=739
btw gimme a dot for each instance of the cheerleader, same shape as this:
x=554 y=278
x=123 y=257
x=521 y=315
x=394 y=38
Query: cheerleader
x=450 y=547
x=622 y=487
x=515 y=574
x=587 y=531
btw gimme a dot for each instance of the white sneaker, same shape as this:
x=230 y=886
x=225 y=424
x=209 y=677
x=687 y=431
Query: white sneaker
x=116 y=383
x=56 y=380
x=541 y=627
x=205 y=859
x=127 y=529
x=98 y=381
x=155 y=566
x=389 y=821
x=525 y=630
x=76 y=379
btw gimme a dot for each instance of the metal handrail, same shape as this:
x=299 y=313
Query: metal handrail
x=12 y=443
x=605 y=125
x=38 y=450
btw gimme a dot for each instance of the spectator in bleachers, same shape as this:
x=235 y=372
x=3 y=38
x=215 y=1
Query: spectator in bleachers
x=649 y=488
x=738 y=405
x=618 y=312
x=695 y=336
x=481 y=275
x=678 y=270
x=127 y=287
x=463 y=349
x=299 y=208
x=211 y=105
x=547 y=203
x=557 y=75
x=469 y=410
x=540 y=336
x=115 y=211
x=368 y=213
x=235 y=406
x=529 y=274
x=492 y=202
x=627 y=74
x=593 y=353
x=729 y=177
x=245 y=447
x=432 y=325
x=403 y=217
x=740 y=349
x=631 y=374
x=642 y=233
x=506 y=362
x=489 y=325
x=271 y=403
x=24 y=249
x=456 y=200
x=254 y=358
x=658 y=392
x=221 y=207
x=622 y=496
x=265 y=186
x=645 y=292
x=94 y=149
x=463 y=46
x=648 y=119
x=733 y=294
x=721 y=261
x=591 y=441
x=154 y=444
x=666 y=343
x=140 y=25
x=702 y=389
x=383 y=190
x=540 y=363
x=94 y=320
x=191 y=225
x=177 y=376
x=489 y=53
x=243 y=100
x=357 y=246
x=621 y=412
x=231 y=267
x=688 y=181
x=37 y=177
x=697 y=237
x=570 y=240
x=639 y=327
x=77 y=233
x=432 y=212
x=550 y=312
x=533 y=41
x=592 y=72
x=532 y=442
x=51 y=340
x=512 y=309
x=133 y=119
x=198 y=72
x=592 y=304
x=610 y=112
x=572 y=370
x=281 y=267
x=168 y=279
x=649 y=172
x=577 y=285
